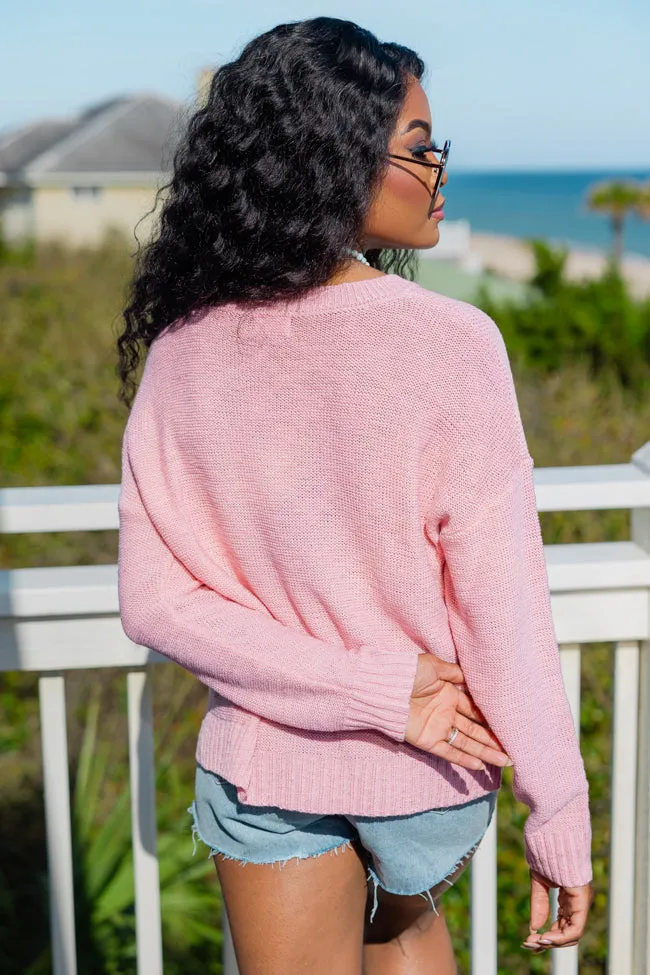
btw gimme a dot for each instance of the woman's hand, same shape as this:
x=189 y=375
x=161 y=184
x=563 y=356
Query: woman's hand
x=573 y=908
x=439 y=703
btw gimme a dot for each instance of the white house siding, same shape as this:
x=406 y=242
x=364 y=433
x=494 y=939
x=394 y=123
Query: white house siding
x=59 y=214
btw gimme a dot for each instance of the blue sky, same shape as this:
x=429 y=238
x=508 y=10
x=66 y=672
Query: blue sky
x=516 y=84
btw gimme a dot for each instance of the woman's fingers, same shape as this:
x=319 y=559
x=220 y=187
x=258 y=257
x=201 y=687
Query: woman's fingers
x=437 y=706
x=561 y=927
x=479 y=733
x=467 y=707
x=570 y=933
x=450 y=672
x=454 y=755
x=573 y=908
x=472 y=746
x=540 y=904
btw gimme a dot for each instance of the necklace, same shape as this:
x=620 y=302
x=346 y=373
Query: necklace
x=359 y=256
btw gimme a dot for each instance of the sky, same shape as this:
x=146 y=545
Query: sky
x=516 y=84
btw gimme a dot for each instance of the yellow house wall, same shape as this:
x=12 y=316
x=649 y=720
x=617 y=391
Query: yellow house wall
x=58 y=214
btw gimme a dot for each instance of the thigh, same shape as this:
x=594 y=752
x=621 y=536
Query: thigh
x=293 y=884
x=302 y=916
x=406 y=915
x=415 y=859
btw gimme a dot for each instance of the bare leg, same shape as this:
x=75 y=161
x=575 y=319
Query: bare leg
x=407 y=937
x=423 y=948
x=302 y=916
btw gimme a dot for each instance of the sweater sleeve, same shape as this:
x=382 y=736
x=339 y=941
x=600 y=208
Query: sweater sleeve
x=485 y=525
x=244 y=654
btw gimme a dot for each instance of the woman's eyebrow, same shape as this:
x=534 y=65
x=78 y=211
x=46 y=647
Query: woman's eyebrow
x=417 y=123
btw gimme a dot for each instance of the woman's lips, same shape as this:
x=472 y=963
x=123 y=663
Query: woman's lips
x=438 y=214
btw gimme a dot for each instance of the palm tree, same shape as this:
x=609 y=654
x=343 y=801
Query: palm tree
x=643 y=203
x=618 y=199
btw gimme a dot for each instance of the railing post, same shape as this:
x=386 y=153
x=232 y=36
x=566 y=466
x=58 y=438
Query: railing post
x=565 y=962
x=641 y=957
x=143 y=823
x=623 y=849
x=483 y=878
x=56 y=787
x=640 y=534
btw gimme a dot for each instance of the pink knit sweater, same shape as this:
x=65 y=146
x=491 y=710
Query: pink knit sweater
x=312 y=495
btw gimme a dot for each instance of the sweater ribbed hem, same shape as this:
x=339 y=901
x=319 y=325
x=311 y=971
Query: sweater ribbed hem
x=561 y=849
x=381 y=687
x=368 y=773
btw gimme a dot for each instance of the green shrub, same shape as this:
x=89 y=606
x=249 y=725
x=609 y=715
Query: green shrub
x=103 y=864
x=595 y=323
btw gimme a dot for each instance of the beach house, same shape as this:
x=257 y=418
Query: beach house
x=71 y=178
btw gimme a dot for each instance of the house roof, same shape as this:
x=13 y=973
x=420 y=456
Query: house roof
x=119 y=139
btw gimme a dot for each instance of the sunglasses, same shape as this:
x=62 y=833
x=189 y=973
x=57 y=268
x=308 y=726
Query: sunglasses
x=440 y=166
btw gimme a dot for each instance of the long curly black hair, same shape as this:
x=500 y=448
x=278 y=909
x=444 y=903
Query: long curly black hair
x=272 y=178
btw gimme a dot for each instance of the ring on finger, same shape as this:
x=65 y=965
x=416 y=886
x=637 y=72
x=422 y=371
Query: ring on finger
x=452 y=737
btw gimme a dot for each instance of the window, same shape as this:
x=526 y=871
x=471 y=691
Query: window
x=86 y=192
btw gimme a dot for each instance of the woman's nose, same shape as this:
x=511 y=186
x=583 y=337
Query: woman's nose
x=445 y=177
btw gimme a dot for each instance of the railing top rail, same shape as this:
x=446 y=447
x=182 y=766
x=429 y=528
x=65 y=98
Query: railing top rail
x=591 y=487
x=85 y=507
x=93 y=507
x=86 y=591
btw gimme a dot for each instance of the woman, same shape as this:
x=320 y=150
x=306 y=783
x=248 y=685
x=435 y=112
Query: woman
x=327 y=515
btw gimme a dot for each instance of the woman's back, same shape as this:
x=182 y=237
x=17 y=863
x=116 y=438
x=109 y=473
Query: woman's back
x=315 y=467
x=328 y=516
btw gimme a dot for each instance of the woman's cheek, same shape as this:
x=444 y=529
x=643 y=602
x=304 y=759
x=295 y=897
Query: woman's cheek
x=410 y=190
x=399 y=214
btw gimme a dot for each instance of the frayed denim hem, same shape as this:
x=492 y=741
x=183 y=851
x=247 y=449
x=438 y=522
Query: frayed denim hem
x=421 y=893
x=243 y=861
x=371 y=876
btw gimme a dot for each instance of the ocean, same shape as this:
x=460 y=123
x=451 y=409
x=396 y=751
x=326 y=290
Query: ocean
x=549 y=205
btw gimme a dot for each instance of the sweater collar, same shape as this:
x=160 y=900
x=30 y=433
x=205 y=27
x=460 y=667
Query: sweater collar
x=348 y=294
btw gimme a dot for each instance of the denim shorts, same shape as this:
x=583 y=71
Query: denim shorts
x=408 y=854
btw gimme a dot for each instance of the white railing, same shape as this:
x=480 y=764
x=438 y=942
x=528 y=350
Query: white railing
x=58 y=619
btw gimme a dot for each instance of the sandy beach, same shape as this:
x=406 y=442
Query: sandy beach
x=511 y=258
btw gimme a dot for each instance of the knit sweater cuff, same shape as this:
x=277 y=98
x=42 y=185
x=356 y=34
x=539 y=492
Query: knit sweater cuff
x=380 y=691
x=561 y=849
